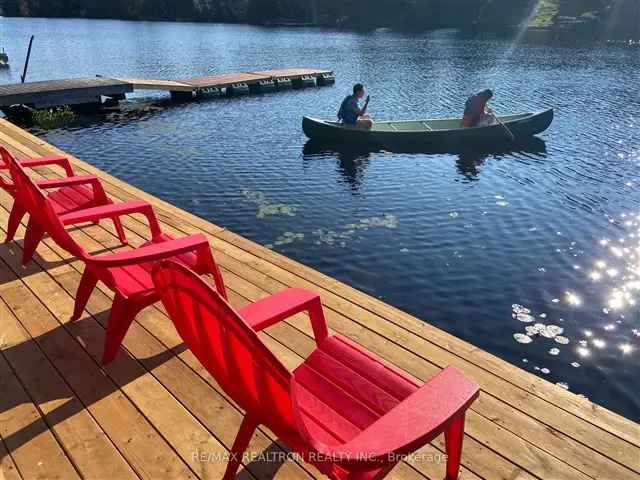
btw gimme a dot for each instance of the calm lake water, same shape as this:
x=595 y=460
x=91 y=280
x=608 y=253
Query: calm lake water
x=490 y=247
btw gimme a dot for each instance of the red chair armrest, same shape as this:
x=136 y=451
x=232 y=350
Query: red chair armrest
x=98 y=192
x=152 y=253
x=413 y=423
x=36 y=162
x=275 y=308
x=114 y=210
x=62 y=162
x=68 y=181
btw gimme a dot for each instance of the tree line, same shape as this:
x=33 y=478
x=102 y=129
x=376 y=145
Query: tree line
x=621 y=15
x=354 y=13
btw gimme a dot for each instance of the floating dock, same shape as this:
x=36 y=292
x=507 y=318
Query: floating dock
x=90 y=91
x=155 y=412
x=53 y=93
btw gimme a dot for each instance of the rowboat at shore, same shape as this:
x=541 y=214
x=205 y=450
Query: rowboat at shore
x=439 y=132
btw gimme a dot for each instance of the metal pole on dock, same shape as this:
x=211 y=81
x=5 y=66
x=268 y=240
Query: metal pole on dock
x=26 y=62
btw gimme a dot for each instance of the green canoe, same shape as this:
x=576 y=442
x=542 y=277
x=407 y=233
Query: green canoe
x=442 y=133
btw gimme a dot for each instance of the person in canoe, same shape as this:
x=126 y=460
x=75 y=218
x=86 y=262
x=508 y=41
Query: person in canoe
x=350 y=112
x=476 y=111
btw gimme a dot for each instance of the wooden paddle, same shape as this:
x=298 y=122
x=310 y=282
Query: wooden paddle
x=510 y=134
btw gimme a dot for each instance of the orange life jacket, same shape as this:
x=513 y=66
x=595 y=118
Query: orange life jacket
x=473 y=111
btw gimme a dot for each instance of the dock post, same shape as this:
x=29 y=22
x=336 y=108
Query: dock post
x=209 y=92
x=178 y=96
x=88 y=105
x=326 y=79
x=117 y=97
x=284 y=83
x=305 y=81
x=264 y=86
x=238 y=89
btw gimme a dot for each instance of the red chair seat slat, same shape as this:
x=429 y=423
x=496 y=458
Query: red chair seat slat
x=344 y=385
x=350 y=407
x=316 y=412
x=136 y=279
x=350 y=378
x=388 y=377
x=69 y=199
x=131 y=279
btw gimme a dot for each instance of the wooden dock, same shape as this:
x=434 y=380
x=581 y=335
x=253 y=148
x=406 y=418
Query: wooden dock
x=89 y=91
x=155 y=413
x=72 y=91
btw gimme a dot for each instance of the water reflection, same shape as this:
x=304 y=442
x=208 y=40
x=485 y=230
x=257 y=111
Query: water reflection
x=352 y=162
x=470 y=162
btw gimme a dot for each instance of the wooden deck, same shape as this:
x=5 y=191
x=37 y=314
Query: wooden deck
x=154 y=412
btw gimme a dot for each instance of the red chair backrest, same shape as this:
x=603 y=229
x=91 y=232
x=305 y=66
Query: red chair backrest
x=5 y=183
x=227 y=347
x=36 y=203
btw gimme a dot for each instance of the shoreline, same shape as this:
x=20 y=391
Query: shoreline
x=553 y=33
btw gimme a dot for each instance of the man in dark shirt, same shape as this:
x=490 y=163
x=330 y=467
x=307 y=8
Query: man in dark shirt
x=350 y=112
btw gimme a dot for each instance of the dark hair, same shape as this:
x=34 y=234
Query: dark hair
x=358 y=87
x=488 y=92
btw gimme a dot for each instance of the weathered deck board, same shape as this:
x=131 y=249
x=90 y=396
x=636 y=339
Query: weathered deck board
x=521 y=427
x=222 y=81
x=84 y=441
x=292 y=73
x=20 y=420
x=162 y=85
x=7 y=468
x=53 y=92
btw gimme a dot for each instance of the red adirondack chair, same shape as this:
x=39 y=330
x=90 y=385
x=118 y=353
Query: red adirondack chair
x=127 y=273
x=344 y=410
x=71 y=194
